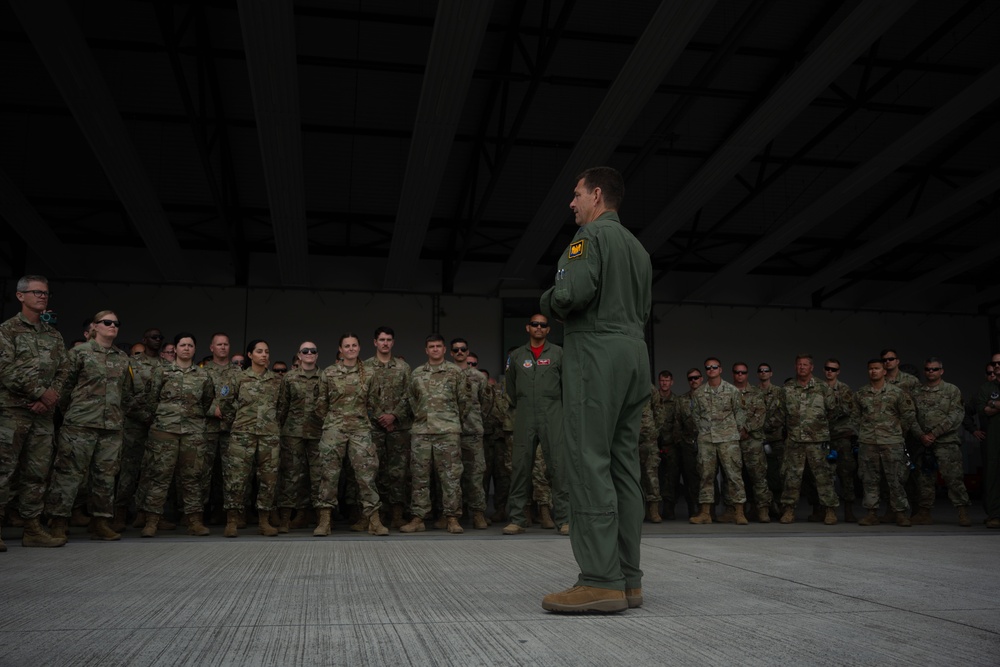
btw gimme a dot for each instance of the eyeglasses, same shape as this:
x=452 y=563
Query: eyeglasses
x=932 y=369
x=169 y=352
x=739 y=372
x=308 y=350
x=236 y=362
x=693 y=378
x=831 y=369
x=473 y=363
x=459 y=349
x=280 y=370
x=541 y=325
x=711 y=367
x=889 y=358
x=763 y=370
x=155 y=337
x=40 y=293
x=110 y=323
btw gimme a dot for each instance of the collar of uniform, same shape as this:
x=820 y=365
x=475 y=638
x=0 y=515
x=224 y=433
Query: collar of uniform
x=24 y=320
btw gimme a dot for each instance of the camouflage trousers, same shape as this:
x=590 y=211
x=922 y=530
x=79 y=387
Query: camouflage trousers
x=798 y=456
x=712 y=456
x=847 y=467
x=755 y=465
x=883 y=462
x=649 y=470
x=443 y=453
x=293 y=472
x=679 y=460
x=26 y=444
x=473 y=469
x=950 y=465
x=130 y=466
x=360 y=452
x=243 y=454
x=79 y=451
x=541 y=483
x=170 y=455
x=498 y=463
x=216 y=442
x=393 y=449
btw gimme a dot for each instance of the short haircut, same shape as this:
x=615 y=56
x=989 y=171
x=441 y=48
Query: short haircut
x=433 y=338
x=708 y=359
x=804 y=355
x=384 y=330
x=457 y=340
x=741 y=363
x=24 y=281
x=934 y=360
x=887 y=351
x=833 y=360
x=666 y=374
x=609 y=180
x=877 y=361
x=217 y=334
x=763 y=363
x=185 y=334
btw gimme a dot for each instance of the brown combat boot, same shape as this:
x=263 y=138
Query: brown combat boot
x=545 y=517
x=416 y=525
x=264 y=526
x=453 y=526
x=58 y=526
x=119 y=520
x=36 y=536
x=232 y=523
x=703 y=517
x=375 y=526
x=634 y=597
x=195 y=525
x=149 y=530
x=101 y=530
x=14 y=519
x=831 y=517
x=870 y=519
x=513 y=529
x=140 y=519
x=963 y=517
x=302 y=519
x=922 y=517
x=361 y=525
x=653 y=512
x=441 y=523
x=166 y=524
x=729 y=516
x=849 y=512
x=241 y=519
x=579 y=599
x=284 y=519
x=564 y=529
x=763 y=515
x=397 y=521
x=79 y=518
x=479 y=521
x=902 y=520
x=788 y=516
x=738 y=516
x=322 y=522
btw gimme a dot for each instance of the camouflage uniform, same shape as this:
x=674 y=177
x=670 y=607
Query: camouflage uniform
x=216 y=434
x=541 y=487
x=669 y=441
x=807 y=413
x=389 y=383
x=774 y=437
x=300 y=436
x=649 y=451
x=345 y=397
x=134 y=440
x=32 y=360
x=842 y=434
x=473 y=457
x=437 y=401
x=752 y=447
x=494 y=447
x=97 y=392
x=179 y=399
x=719 y=417
x=940 y=412
x=911 y=477
x=882 y=416
x=253 y=411
x=687 y=450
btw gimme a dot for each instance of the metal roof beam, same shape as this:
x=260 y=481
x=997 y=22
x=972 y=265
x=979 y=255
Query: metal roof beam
x=25 y=220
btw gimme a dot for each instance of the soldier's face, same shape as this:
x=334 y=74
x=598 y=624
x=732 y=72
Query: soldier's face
x=584 y=203
x=32 y=302
x=108 y=331
x=890 y=361
x=308 y=355
x=384 y=343
x=876 y=372
x=933 y=370
x=435 y=351
x=138 y=350
x=169 y=352
x=460 y=352
x=740 y=375
x=803 y=367
x=666 y=383
x=237 y=360
x=694 y=380
x=220 y=347
x=349 y=348
x=185 y=349
x=713 y=368
x=261 y=355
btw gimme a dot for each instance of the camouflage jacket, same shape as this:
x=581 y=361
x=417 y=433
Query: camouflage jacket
x=718 y=413
x=756 y=411
x=389 y=383
x=884 y=415
x=666 y=412
x=940 y=411
x=476 y=388
x=648 y=425
x=252 y=403
x=843 y=426
x=179 y=399
x=98 y=388
x=300 y=394
x=494 y=410
x=436 y=399
x=774 y=421
x=344 y=398
x=223 y=379
x=686 y=425
x=32 y=360
x=808 y=410
x=904 y=381
x=142 y=376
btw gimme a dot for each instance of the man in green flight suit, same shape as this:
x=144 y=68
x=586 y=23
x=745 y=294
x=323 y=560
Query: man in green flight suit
x=602 y=293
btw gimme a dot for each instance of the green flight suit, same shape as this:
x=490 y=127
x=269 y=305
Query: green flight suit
x=602 y=293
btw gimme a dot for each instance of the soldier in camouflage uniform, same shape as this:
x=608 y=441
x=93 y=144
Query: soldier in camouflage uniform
x=133 y=445
x=179 y=398
x=437 y=402
x=300 y=436
x=774 y=430
x=33 y=368
x=843 y=434
x=717 y=411
x=345 y=403
x=649 y=458
x=390 y=378
x=97 y=393
x=808 y=407
x=495 y=450
x=688 y=449
x=895 y=376
x=254 y=413
x=940 y=413
x=473 y=457
x=673 y=462
x=883 y=413
x=223 y=374
x=752 y=440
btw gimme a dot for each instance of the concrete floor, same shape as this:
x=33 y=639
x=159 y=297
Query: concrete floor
x=761 y=594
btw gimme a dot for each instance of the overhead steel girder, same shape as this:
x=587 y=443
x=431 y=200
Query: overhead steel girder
x=24 y=219
x=982 y=92
x=61 y=45
x=269 y=39
x=670 y=29
x=841 y=48
x=459 y=29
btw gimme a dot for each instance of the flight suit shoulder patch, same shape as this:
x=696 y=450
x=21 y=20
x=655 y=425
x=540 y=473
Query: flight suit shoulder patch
x=577 y=249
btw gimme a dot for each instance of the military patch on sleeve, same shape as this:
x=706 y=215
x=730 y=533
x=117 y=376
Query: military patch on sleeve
x=224 y=391
x=577 y=249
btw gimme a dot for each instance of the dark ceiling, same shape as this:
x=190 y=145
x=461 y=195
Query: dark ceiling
x=810 y=153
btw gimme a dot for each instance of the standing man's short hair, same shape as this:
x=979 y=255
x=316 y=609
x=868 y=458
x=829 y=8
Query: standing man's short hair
x=609 y=180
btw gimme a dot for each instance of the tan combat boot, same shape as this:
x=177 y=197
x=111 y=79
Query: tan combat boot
x=738 y=516
x=416 y=525
x=264 y=526
x=902 y=520
x=232 y=522
x=545 y=517
x=441 y=523
x=831 y=517
x=870 y=519
x=453 y=526
x=397 y=516
x=284 y=519
x=140 y=519
x=479 y=521
x=36 y=536
x=564 y=529
x=196 y=526
x=375 y=526
x=704 y=516
x=323 y=522
x=118 y=521
x=513 y=529
x=79 y=518
x=922 y=517
x=729 y=516
x=653 y=512
x=763 y=515
x=101 y=530
x=361 y=525
x=59 y=525
x=963 y=517
x=301 y=520
x=788 y=516
x=149 y=530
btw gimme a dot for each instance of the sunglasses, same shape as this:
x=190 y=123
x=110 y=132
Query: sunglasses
x=459 y=349
x=473 y=363
x=280 y=370
x=156 y=337
x=308 y=350
x=763 y=370
x=740 y=372
x=541 y=325
x=932 y=369
x=111 y=323
x=889 y=358
x=832 y=369
x=711 y=367
x=692 y=378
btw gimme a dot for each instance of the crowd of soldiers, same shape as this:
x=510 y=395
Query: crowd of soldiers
x=100 y=436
